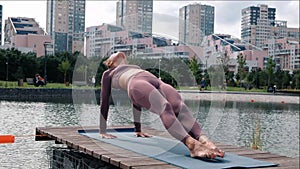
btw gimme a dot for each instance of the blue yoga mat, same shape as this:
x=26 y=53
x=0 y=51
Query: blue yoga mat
x=172 y=151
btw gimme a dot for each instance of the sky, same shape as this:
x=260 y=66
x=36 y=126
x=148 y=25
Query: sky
x=165 y=17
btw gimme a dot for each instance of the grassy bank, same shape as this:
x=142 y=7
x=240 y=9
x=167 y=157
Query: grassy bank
x=9 y=84
x=13 y=84
x=229 y=88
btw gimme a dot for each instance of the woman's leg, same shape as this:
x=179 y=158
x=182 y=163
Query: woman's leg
x=186 y=118
x=181 y=110
x=144 y=94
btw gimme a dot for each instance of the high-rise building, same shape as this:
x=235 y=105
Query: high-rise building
x=66 y=24
x=135 y=15
x=195 y=22
x=257 y=22
x=1 y=25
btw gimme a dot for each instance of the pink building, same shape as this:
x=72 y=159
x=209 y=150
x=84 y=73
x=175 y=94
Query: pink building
x=230 y=48
x=286 y=52
x=106 y=39
x=26 y=33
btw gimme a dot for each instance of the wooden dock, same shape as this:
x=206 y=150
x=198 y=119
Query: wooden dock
x=126 y=159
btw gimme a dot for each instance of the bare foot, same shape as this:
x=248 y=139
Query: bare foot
x=199 y=150
x=211 y=146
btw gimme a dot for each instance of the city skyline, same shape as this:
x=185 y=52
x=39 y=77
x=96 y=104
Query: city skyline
x=227 y=13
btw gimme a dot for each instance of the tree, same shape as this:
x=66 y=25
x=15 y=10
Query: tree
x=195 y=67
x=270 y=70
x=19 y=73
x=255 y=78
x=64 y=67
x=19 y=65
x=241 y=75
x=296 y=79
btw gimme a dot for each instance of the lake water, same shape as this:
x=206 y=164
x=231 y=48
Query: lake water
x=273 y=127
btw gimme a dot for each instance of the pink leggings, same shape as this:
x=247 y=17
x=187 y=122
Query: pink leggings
x=146 y=90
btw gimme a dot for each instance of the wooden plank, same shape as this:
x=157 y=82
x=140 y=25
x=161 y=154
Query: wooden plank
x=285 y=161
x=117 y=161
x=146 y=162
x=41 y=137
x=243 y=152
x=262 y=156
x=126 y=159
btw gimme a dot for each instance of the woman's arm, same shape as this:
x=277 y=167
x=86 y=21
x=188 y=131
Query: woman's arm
x=104 y=100
x=137 y=122
x=136 y=118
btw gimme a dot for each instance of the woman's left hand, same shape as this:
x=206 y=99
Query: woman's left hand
x=140 y=134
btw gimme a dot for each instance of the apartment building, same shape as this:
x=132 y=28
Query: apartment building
x=224 y=49
x=99 y=39
x=26 y=34
x=195 y=22
x=257 y=22
x=285 y=52
x=281 y=30
x=106 y=39
x=66 y=24
x=135 y=15
x=103 y=40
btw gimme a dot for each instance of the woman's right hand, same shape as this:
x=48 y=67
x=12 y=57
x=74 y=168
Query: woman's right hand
x=108 y=136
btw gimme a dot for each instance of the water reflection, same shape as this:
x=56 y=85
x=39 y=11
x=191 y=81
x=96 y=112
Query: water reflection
x=61 y=114
x=270 y=127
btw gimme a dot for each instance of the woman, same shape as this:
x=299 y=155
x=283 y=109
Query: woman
x=146 y=90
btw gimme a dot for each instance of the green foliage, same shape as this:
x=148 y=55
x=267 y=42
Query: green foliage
x=174 y=71
x=195 y=68
x=296 y=79
x=270 y=70
x=19 y=73
x=64 y=67
x=19 y=65
x=241 y=75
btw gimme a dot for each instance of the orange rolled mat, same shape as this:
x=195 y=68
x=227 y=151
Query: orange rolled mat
x=7 y=139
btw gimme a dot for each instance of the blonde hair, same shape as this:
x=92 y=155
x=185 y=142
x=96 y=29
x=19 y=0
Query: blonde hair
x=113 y=58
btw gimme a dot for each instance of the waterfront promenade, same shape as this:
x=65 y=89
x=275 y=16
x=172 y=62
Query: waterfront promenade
x=241 y=96
x=66 y=95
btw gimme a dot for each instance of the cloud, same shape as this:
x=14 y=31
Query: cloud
x=99 y=12
x=288 y=11
x=227 y=13
x=164 y=24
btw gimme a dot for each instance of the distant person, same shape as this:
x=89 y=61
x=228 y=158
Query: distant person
x=202 y=84
x=39 y=81
x=94 y=81
x=274 y=88
x=147 y=91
